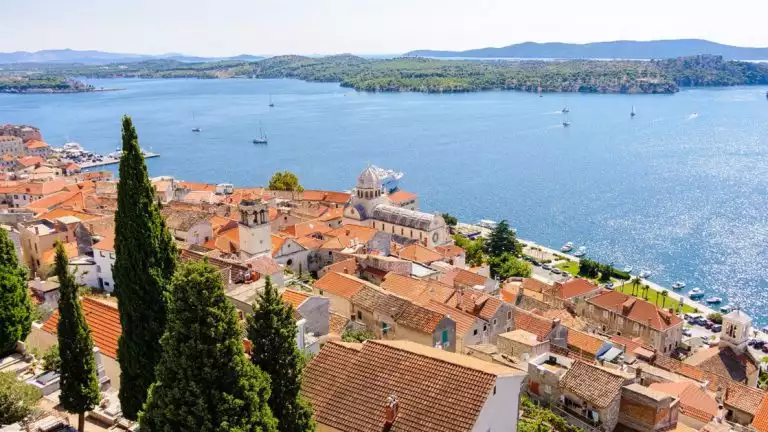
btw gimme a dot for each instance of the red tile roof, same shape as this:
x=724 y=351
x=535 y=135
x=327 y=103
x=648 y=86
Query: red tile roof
x=463 y=277
x=35 y=144
x=294 y=298
x=347 y=234
x=636 y=309
x=27 y=161
x=532 y=324
x=401 y=196
x=694 y=402
x=106 y=244
x=310 y=243
x=575 y=287
x=306 y=228
x=580 y=341
x=326 y=196
x=340 y=284
x=593 y=384
x=760 y=421
x=419 y=291
x=337 y=323
x=348 y=385
x=421 y=319
x=464 y=321
x=420 y=254
x=103 y=319
x=450 y=251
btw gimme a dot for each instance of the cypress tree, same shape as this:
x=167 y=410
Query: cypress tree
x=272 y=330
x=204 y=381
x=15 y=306
x=79 y=384
x=144 y=264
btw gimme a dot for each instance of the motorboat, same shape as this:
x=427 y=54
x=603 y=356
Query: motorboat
x=644 y=274
x=487 y=223
x=678 y=285
x=567 y=247
x=696 y=293
x=714 y=300
x=726 y=309
x=627 y=269
x=197 y=129
x=580 y=252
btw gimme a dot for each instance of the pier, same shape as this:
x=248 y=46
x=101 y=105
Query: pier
x=111 y=161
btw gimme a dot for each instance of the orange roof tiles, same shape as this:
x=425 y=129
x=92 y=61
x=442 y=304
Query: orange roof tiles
x=294 y=298
x=309 y=242
x=35 y=144
x=580 y=341
x=49 y=256
x=595 y=385
x=340 y=285
x=28 y=161
x=348 y=385
x=464 y=321
x=347 y=266
x=62 y=212
x=694 y=402
x=723 y=362
x=419 y=291
x=532 y=324
x=424 y=320
x=346 y=235
x=489 y=309
x=200 y=187
x=306 y=228
x=52 y=201
x=420 y=254
x=636 y=309
x=575 y=287
x=401 y=196
x=450 y=251
x=760 y=421
x=326 y=196
x=463 y=277
x=103 y=319
x=106 y=244
x=277 y=243
x=332 y=214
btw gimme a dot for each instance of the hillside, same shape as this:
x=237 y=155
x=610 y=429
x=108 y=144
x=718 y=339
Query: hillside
x=639 y=50
x=100 y=57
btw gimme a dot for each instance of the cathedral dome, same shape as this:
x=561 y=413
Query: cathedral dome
x=369 y=179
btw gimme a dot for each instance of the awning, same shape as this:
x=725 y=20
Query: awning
x=611 y=354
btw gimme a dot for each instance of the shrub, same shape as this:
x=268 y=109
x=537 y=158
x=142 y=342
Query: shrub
x=715 y=317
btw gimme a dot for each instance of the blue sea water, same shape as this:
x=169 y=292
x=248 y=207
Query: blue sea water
x=681 y=189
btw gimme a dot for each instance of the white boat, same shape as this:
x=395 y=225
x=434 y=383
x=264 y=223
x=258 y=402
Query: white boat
x=566 y=123
x=627 y=269
x=696 y=293
x=567 y=247
x=678 y=285
x=726 y=309
x=195 y=129
x=644 y=274
x=565 y=109
x=271 y=104
x=389 y=178
x=580 y=252
x=714 y=300
x=262 y=139
x=72 y=146
x=487 y=223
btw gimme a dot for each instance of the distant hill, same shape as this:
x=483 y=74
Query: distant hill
x=607 y=50
x=101 y=57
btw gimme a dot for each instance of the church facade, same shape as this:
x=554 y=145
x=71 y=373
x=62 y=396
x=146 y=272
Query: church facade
x=370 y=206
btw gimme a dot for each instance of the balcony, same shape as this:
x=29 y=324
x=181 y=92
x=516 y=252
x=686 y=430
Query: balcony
x=576 y=418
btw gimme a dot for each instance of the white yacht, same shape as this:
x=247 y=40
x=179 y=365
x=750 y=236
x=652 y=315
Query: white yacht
x=644 y=274
x=678 y=285
x=567 y=247
x=696 y=293
x=580 y=252
x=628 y=269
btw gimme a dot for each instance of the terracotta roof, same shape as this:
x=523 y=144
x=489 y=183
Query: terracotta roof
x=219 y=222
x=62 y=212
x=337 y=323
x=35 y=144
x=401 y=196
x=27 y=161
x=723 y=362
x=595 y=385
x=340 y=284
x=450 y=251
x=760 y=421
x=183 y=219
x=489 y=309
x=306 y=228
x=309 y=242
x=265 y=265
x=103 y=319
x=635 y=309
x=348 y=385
x=420 y=254
x=346 y=234
x=294 y=298
x=694 y=402
x=325 y=196
x=575 y=287
x=631 y=345
x=464 y=321
x=580 y=341
x=419 y=291
x=106 y=244
x=49 y=255
x=532 y=323
x=202 y=187
x=422 y=319
x=375 y=299
x=332 y=214
x=347 y=266
x=462 y=277
x=277 y=243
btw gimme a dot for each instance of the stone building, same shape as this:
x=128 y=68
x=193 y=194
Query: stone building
x=521 y=344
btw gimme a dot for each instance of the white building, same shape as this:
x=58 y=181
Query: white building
x=104 y=256
x=254 y=229
x=370 y=206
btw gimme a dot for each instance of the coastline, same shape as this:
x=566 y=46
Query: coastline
x=51 y=91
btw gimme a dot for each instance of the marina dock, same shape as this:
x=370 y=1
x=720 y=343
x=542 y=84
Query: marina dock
x=112 y=161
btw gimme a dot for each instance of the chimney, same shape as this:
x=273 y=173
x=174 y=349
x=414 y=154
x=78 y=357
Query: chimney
x=38 y=284
x=459 y=298
x=556 y=323
x=638 y=374
x=390 y=412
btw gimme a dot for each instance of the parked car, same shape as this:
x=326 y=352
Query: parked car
x=556 y=270
x=717 y=328
x=759 y=344
x=536 y=263
x=546 y=267
x=687 y=332
x=765 y=348
x=701 y=321
x=708 y=325
x=609 y=285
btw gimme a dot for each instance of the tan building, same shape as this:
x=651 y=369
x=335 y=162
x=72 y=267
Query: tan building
x=593 y=394
x=340 y=288
x=624 y=315
x=521 y=344
x=11 y=145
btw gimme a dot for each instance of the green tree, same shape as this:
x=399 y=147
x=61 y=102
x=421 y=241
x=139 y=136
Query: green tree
x=450 y=219
x=474 y=250
x=52 y=359
x=664 y=295
x=350 y=335
x=79 y=384
x=144 y=264
x=606 y=271
x=502 y=240
x=204 y=381
x=16 y=309
x=272 y=330
x=635 y=283
x=715 y=317
x=17 y=398
x=508 y=266
x=285 y=181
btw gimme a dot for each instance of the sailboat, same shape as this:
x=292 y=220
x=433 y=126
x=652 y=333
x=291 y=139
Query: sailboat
x=632 y=113
x=262 y=139
x=566 y=123
x=195 y=129
x=565 y=109
x=271 y=104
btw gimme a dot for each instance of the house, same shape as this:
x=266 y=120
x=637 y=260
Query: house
x=404 y=199
x=104 y=256
x=586 y=346
x=469 y=328
x=624 y=315
x=420 y=254
x=339 y=288
x=521 y=344
x=496 y=313
x=314 y=309
x=574 y=291
x=11 y=145
x=290 y=253
x=761 y=416
x=543 y=328
x=419 y=291
x=21 y=194
x=465 y=279
x=593 y=394
x=384 y=385
x=697 y=407
x=646 y=410
x=347 y=266
x=544 y=374
x=40 y=236
x=46 y=291
x=331 y=199
x=37 y=148
x=189 y=226
x=426 y=326
x=453 y=255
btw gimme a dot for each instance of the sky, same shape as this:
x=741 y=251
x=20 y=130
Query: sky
x=231 y=27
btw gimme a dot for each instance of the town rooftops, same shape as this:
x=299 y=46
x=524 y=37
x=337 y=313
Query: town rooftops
x=294 y=298
x=103 y=319
x=347 y=235
x=464 y=321
x=325 y=196
x=724 y=362
x=347 y=266
x=694 y=401
x=306 y=228
x=341 y=285
x=348 y=385
x=636 y=309
x=463 y=277
x=420 y=254
x=375 y=299
x=575 y=287
x=422 y=319
x=580 y=341
x=593 y=384
x=738 y=315
x=35 y=144
x=522 y=336
x=183 y=219
x=419 y=291
x=106 y=244
x=760 y=422
x=401 y=196
x=535 y=324
x=28 y=161
x=450 y=251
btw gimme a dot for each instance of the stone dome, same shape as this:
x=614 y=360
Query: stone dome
x=369 y=179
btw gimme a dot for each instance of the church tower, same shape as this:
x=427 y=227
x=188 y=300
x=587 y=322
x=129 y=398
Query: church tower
x=368 y=194
x=735 y=333
x=254 y=229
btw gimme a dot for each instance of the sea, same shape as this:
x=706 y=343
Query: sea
x=680 y=190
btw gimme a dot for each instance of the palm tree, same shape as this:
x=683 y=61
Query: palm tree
x=646 y=288
x=664 y=295
x=635 y=284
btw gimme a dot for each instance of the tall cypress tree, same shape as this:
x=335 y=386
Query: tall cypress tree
x=272 y=330
x=79 y=384
x=204 y=381
x=15 y=305
x=144 y=264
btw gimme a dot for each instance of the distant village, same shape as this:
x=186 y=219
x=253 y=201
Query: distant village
x=403 y=334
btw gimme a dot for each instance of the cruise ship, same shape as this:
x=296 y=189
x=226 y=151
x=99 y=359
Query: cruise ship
x=389 y=178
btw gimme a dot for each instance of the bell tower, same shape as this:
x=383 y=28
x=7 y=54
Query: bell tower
x=735 y=333
x=254 y=229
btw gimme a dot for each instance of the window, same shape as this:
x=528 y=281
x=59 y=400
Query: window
x=411 y=233
x=402 y=231
x=374 y=225
x=494 y=389
x=289 y=262
x=474 y=332
x=485 y=327
x=101 y=254
x=605 y=314
x=106 y=283
x=509 y=314
x=359 y=315
x=547 y=389
x=494 y=322
x=321 y=292
x=384 y=328
x=444 y=337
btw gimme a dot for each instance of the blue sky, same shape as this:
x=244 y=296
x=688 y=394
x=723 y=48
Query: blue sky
x=228 y=27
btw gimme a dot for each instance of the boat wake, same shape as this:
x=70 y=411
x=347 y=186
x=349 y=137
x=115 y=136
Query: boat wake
x=692 y=116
